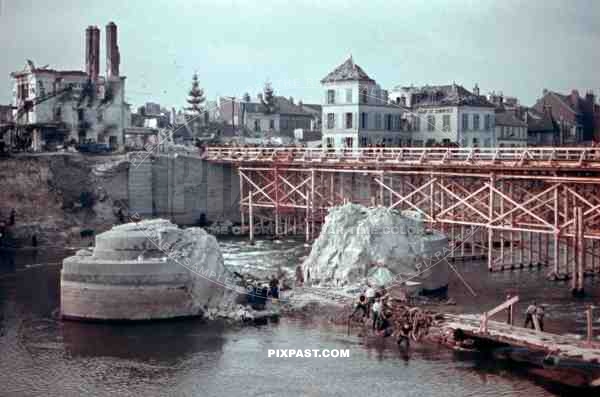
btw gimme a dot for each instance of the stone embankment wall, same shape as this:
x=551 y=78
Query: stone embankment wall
x=57 y=196
x=182 y=188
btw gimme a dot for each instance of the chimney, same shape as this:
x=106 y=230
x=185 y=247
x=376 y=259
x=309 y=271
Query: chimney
x=476 y=90
x=574 y=97
x=260 y=97
x=92 y=52
x=291 y=99
x=300 y=103
x=113 y=58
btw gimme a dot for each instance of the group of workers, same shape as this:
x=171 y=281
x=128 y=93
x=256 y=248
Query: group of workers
x=258 y=295
x=375 y=306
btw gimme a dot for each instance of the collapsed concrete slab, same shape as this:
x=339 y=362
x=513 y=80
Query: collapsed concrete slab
x=144 y=271
x=356 y=239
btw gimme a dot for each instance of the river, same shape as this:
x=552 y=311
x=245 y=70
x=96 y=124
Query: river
x=40 y=355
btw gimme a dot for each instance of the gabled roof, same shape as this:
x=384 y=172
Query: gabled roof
x=445 y=95
x=347 y=71
x=540 y=122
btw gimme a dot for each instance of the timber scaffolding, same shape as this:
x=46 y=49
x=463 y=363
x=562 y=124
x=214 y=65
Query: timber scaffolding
x=517 y=207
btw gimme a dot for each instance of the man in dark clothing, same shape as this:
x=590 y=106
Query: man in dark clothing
x=274 y=284
x=384 y=326
x=361 y=305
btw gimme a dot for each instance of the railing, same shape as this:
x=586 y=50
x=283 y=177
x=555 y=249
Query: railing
x=540 y=156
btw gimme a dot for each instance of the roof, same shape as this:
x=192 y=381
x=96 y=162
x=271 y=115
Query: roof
x=282 y=106
x=347 y=71
x=508 y=118
x=540 y=122
x=445 y=95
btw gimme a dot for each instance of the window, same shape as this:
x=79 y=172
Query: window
x=465 y=121
x=349 y=142
x=364 y=120
x=487 y=123
x=363 y=141
x=377 y=121
x=388 y=122
x=257 y=125
x=363 y=94
x=272 y=124
x=476 y=122
x=417 y=123
x=284 y=124
x=348 y=120
x=330 y=97
x=397 y=122
x=430 y=123
x=329 y=141
x=475 y=142
x=330 y=121
x=446 y=122
x=348 y=95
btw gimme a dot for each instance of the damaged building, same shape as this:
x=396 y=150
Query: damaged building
x=53 y=107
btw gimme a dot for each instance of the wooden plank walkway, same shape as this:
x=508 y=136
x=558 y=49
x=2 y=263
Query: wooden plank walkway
x=560 y=345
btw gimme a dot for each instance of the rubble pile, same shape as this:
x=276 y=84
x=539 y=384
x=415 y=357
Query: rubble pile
x=355 y=240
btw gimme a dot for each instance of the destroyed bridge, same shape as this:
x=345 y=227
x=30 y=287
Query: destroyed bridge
x=517 y=207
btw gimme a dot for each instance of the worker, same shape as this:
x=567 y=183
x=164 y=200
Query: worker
x=361 y=305
x=529 y=315
x=274 y=285
x=370 y=295
x=384 y=327
x=539 y=313
x=376 y=312
x=299 y=276
x=404 y=333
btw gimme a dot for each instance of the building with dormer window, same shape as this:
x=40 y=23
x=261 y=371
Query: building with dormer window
x=357 y=112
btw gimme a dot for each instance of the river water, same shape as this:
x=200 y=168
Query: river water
x=40 y=355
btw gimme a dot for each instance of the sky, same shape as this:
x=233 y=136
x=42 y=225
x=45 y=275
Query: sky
x=517 y=47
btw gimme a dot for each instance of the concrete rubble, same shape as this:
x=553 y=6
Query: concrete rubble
x=356 y=240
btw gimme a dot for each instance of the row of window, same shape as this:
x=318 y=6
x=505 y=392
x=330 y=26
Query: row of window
x=397 y=141
x=389 y=122
x=257 y=127
x=363 y=96
x=430 y=122
x=513 y=132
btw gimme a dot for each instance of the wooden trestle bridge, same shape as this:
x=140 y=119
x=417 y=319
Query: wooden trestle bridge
x=517 y=207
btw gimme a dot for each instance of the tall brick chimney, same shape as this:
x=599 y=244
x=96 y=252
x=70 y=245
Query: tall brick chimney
x=113 y=58
x=92 y=52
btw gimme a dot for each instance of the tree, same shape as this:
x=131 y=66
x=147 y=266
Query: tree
x=268 y=100
x=195 y=97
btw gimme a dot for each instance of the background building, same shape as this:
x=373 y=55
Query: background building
x=578 y=118
x=447 y=114
x=356 y=111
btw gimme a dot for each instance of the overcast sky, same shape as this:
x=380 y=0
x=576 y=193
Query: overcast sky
x=518 y=47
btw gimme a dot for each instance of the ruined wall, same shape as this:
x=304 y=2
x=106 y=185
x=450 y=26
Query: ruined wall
x=182 y=188
x=55 y=196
